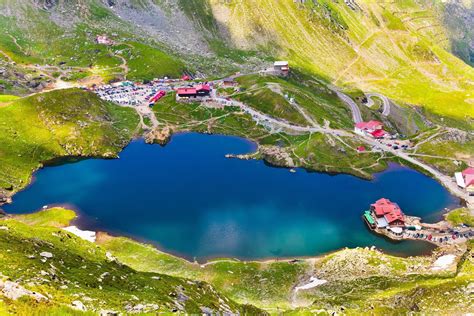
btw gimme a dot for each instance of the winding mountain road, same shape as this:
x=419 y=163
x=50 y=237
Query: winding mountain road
x=385 y=102
x=279 y=124
x=356 y=115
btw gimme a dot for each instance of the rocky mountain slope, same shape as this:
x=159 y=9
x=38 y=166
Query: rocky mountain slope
x=458 y=16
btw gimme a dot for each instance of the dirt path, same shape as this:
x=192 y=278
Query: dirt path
x=123 y=66
x=304 y=114
x=144 y=111
x=277 y=124
x=277 y=89
x=15 y=41
x=8 y=58
x=428 y=139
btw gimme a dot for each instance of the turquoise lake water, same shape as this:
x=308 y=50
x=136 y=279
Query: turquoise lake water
x=188 y=199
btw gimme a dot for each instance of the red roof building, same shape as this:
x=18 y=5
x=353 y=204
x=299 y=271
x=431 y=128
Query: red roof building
x=380 y=133
x=157 y=96
x=200 y=90
x=371 y=128
x=203 y=87
x=370 y=125
x=361 y=149
x=187 y=92
x=468 y=171
x=468 y=175
x=103 y=39
x=390 y=211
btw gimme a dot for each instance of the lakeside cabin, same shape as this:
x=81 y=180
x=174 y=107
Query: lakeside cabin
x=372 y=129
x=465 y=180
x=385 y=214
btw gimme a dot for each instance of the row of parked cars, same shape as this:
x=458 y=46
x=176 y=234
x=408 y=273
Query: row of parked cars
x=451 y=234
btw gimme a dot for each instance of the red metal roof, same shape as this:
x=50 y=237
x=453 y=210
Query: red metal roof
x=391 y=211
x=378 y=133
x=469 y=170
x=396 y=215
x=201 y=87
x=469 y=180
x=374 y=124
x=360 y=148
x=371 y=125
x=361 y=125
x=187 y=91
x=384 y=206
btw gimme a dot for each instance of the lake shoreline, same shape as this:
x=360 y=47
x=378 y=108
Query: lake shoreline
x=168 y=249
x=100 y=234
x=255 y=155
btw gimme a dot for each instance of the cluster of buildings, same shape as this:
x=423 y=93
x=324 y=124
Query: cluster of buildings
x=385 y=217
x=372 y=129
x=385 y=214
x=465 y=180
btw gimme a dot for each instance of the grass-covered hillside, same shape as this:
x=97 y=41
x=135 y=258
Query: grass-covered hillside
x=314 y=151
x=398 y=48
x=402 y=48
x=46 y=269
x=272 y=95
x=56 y=124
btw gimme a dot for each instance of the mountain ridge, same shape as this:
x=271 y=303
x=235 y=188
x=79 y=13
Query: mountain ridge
x=400 y=49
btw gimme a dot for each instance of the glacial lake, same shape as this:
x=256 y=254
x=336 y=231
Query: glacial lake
x=188 y=199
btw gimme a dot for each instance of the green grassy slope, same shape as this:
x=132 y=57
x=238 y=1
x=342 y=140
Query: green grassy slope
x=358 y=280
x=81 y=271
x=120 y=274
x=267 y=94
x=57 y=124
x=395 y=48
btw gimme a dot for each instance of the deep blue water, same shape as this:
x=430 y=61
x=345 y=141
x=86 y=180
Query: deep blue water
x=188 y=199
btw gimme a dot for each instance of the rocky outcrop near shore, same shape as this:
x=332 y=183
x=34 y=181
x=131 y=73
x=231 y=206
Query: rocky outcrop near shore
x=4 y=199
x=159 y=136
x=276 y=156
